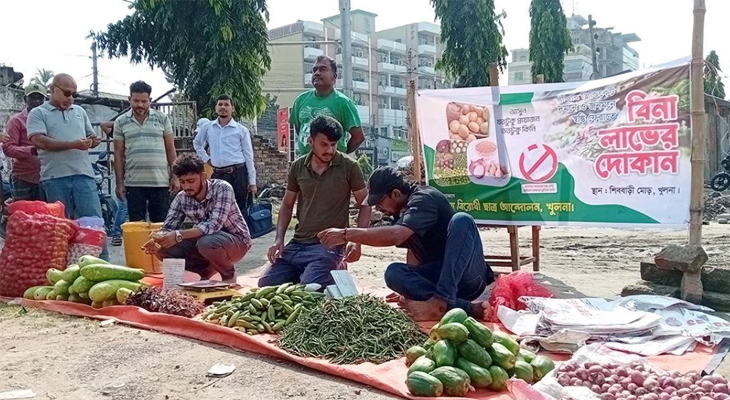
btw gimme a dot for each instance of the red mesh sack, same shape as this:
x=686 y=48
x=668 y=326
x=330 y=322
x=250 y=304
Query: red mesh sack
x=87 y=242
x=509 y=288
x=38 y=207
x=34 y=244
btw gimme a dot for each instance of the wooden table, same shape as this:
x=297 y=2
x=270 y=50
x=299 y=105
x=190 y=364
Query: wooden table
x=514 y=260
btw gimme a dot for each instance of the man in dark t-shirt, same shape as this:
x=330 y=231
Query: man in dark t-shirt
x=445 y=266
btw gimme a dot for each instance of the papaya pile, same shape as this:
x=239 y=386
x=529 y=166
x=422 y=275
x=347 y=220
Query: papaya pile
x=91 y=281
x=461 y=354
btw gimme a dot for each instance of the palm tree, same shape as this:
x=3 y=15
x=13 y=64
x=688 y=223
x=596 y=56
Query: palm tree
x=42 y=77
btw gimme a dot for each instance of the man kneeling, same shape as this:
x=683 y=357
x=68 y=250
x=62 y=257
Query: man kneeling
x=220 y=236
x=445 y=266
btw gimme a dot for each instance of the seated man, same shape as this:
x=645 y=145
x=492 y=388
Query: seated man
x=445 y=266
x=321 y=184
x=220 y=236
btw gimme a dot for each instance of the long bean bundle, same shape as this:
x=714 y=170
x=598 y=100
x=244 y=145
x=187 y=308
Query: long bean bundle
x=352 y=330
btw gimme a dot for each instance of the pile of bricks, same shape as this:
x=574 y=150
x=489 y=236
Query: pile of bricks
x=679 y=271
x=271 y=164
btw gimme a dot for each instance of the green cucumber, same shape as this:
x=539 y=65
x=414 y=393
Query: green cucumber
x=107 y=290
x=105 y=272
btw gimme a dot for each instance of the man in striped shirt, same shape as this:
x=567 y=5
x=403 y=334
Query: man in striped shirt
x=144 y=151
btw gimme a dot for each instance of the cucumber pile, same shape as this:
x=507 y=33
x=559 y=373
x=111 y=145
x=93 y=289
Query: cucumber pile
x=264 y=310
x=91 y=281
x=462 y=354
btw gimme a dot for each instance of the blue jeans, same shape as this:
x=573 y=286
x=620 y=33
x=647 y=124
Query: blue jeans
x=458 y=279
x=79 y=195
x=119 y=218
x=304 y=263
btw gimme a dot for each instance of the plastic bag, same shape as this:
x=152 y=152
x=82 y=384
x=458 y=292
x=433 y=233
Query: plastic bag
x=509 y=288
x=34 y=244
x=56 y=209
x=89 y=240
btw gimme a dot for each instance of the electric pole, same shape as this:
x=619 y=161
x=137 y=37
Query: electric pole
x=94 y=71
x=591 y=24
x=346 y=36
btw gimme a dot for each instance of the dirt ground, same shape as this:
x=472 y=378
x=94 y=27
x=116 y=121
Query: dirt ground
x=61 y=357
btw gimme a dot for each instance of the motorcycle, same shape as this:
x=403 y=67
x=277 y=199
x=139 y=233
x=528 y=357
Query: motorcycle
x=108 y=203
x=721 y=181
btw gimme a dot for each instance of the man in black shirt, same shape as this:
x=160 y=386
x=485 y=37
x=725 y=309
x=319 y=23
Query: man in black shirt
x=445 y=266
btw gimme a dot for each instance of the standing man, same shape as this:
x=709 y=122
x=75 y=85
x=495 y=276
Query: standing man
x=231 y=150
x=26 y=172
x=63 y=135
x=220 y=237
x=144 y=151
x=321 y=184
x=325 y=100
x=445 y=266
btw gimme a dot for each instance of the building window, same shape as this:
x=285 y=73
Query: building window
x=396 y=81
x=520 y=76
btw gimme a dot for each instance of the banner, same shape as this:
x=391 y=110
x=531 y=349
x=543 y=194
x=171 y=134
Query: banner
x=282 y=129
x=608 y=152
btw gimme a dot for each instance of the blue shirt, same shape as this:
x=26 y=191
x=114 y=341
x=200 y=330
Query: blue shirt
x=229 y=145
x=64 y=126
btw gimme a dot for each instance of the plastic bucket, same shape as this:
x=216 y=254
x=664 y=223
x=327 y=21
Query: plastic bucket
x=135 y=235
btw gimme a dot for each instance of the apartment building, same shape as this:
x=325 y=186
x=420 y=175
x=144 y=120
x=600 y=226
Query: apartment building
x=383 y=63
x=614 y=55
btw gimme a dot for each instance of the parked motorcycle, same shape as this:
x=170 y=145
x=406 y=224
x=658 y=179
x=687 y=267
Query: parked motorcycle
x=721 y=181
x=108 y=203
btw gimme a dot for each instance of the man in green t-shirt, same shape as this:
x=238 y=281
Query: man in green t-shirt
x=326 y=101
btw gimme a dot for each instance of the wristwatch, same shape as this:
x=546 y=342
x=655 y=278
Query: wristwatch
x=178 y=236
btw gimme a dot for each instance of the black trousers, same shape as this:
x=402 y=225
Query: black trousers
x=152 y=200
x=238 y=178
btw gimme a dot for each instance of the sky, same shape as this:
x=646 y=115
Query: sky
x=51 y=34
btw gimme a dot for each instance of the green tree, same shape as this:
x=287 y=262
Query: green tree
x=472 y=34
x=43 y=77
x=549 y=39
x=206 y=48
x=713 y=81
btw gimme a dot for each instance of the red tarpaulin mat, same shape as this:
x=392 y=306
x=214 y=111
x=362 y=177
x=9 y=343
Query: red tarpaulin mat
x=389 y=377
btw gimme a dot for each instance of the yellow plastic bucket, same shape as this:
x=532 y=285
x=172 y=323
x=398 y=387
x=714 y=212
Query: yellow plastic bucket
x=135 y=235
x=208 y=170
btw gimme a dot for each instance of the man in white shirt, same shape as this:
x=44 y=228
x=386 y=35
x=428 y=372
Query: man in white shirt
x=231 y=151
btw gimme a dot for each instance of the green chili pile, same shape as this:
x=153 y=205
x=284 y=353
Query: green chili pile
x=352 y=330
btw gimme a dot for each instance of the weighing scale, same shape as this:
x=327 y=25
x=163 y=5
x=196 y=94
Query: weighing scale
x=210 y=291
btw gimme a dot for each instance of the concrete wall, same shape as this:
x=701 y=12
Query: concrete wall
x=286 y=77
x=11 y=102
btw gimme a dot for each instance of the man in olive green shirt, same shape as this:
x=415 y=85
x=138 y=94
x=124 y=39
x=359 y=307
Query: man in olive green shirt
x=326 y=101
x=321 y=183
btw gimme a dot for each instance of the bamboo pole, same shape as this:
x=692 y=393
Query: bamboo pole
x=414 y=134
x=699 y=125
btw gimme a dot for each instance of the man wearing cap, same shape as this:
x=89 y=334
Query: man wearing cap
x=445 y=266
x=320 y=184
x=63 y=135
x=26 y=172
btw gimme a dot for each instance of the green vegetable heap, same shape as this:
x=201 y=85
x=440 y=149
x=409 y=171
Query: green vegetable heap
x=352 y=330
x=462 y=354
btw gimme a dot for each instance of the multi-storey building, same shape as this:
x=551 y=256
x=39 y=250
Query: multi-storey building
x=383 y=62
x=614 y=55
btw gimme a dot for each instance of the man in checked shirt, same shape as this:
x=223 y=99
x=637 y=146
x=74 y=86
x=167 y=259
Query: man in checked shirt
x=220 y=237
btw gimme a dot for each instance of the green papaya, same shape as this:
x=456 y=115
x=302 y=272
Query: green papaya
x=444 y=353
x=501 y=356
x=523 y=370
x=499 y=378
x=475 y=353
x=423 y=364
x=433 y=333
x=454 y=315
x=412 y=354
x=479 y=376
x=428 y=344
x=454 y=332
x=422 y=384
x=507 y=341
x=541 y=366
x=478 y=332
x=455 y=382
x=53 y=275
x=527 y=355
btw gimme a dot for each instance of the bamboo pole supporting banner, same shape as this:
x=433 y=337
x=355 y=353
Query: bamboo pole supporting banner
x=414 y=134
x=699 y=125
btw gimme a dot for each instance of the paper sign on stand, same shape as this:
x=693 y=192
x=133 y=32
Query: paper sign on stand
x=173 y=270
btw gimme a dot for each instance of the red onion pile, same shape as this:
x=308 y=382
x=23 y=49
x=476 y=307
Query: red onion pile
x=638 y=382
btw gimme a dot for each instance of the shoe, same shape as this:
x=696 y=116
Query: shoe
x=116 y=241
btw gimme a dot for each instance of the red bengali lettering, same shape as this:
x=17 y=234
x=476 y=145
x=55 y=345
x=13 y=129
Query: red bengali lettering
x=611 y=163
x=642 y=163
x=663 y=108
x=639 y=137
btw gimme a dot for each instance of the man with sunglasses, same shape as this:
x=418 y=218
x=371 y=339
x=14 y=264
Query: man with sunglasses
x=63 y=135
x=445 y=265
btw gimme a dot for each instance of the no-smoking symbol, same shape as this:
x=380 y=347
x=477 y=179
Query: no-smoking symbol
x=538 y=163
